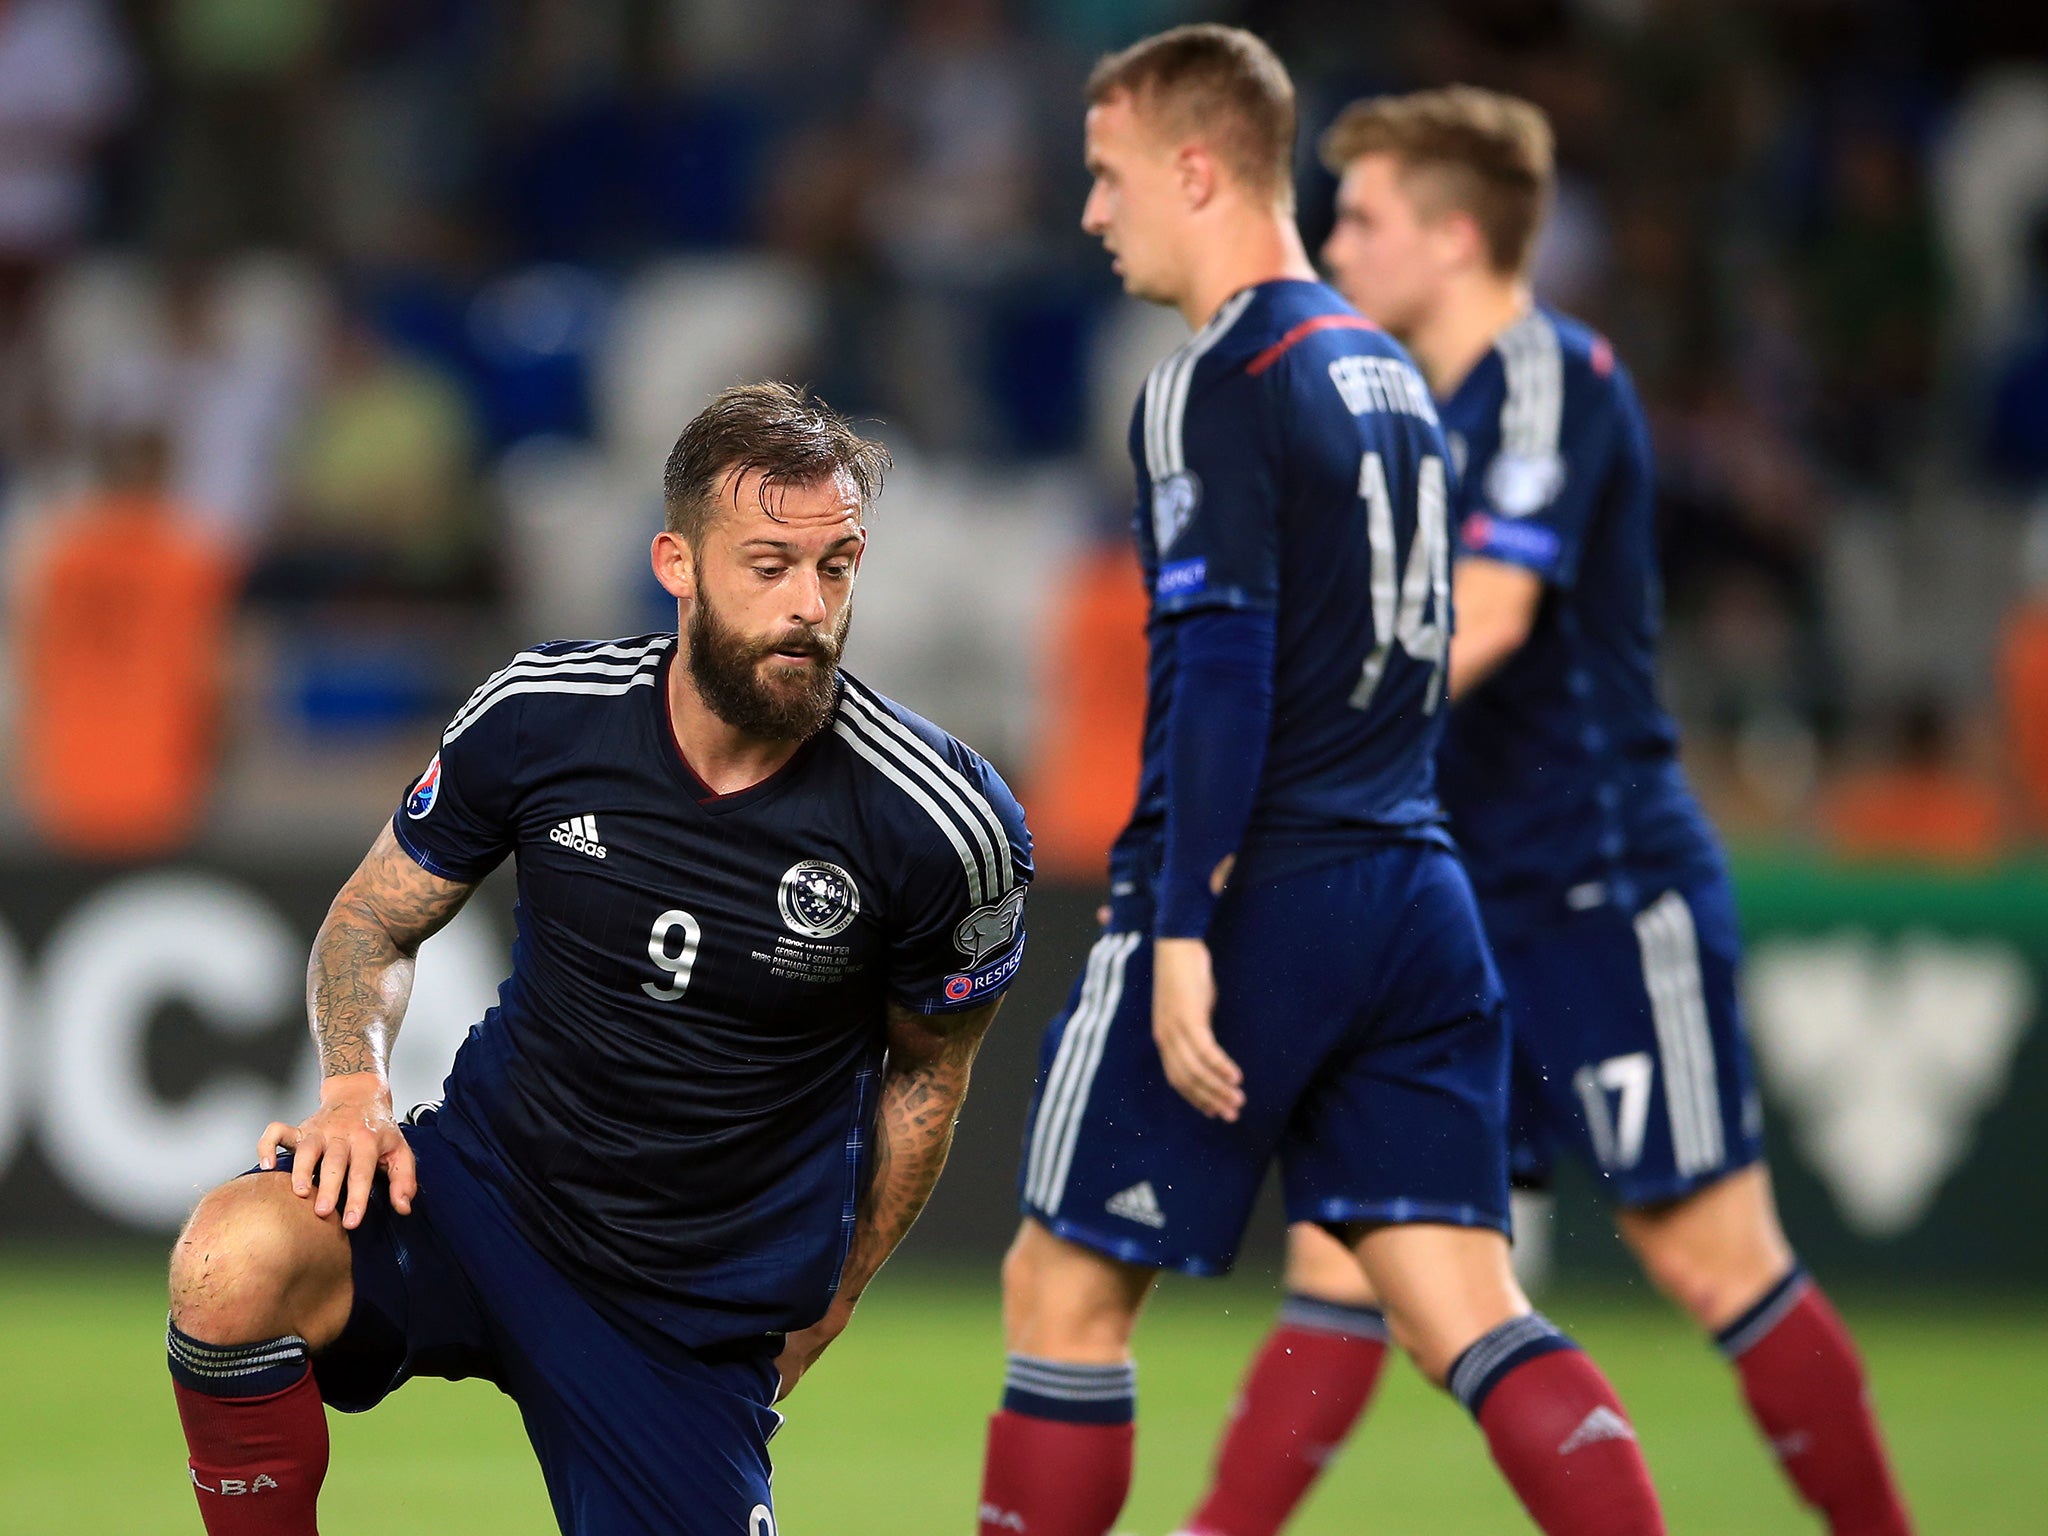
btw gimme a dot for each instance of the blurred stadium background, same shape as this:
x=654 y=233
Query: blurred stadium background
x=340 y=345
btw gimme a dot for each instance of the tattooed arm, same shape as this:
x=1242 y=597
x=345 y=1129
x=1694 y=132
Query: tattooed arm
x=930 y=1057
x=357 y=986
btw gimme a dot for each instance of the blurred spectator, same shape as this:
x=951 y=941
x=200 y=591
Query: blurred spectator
x=1873 y=288
x=244 y=99
x=950 y=210
x=123 y=622
x=383 y=500
x=1925 y=803
x=64 y=83
x=235 y=376
x=1084 y=763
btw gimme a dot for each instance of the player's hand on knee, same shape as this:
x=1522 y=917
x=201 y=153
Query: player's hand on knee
x=1183 y=1011
x=338 y=1149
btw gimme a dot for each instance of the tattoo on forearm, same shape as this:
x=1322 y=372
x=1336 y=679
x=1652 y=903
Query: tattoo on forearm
x=921 y=1098
x=360 y=975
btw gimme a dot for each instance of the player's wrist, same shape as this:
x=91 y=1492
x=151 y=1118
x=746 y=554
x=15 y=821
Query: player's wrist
x=355 y=1088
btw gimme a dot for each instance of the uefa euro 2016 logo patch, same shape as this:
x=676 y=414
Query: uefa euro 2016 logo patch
x=1174 y=501
x=817 y=899
x=985 y=930
x=1523 y=484
x=421 y=800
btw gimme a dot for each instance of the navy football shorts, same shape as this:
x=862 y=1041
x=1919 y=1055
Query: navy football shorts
x=1361 y=1004
x=1629 y=1049
x=634 y=1437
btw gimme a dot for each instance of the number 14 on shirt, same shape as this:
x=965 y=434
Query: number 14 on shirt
x=1415 y=615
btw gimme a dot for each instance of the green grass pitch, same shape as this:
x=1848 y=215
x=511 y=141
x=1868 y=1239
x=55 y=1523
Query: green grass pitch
x=885 y=1438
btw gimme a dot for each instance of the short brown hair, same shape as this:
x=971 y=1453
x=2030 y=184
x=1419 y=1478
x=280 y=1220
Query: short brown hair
x=1490 y=154
x=1215 y=83
x=782 y=430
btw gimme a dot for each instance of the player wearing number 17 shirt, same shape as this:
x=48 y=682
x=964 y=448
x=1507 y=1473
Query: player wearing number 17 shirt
x=1292 y=969
x=765 y=916
x=1607 y=901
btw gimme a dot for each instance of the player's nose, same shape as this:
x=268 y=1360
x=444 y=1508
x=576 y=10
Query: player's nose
x=807 y=599
x=1092 y=220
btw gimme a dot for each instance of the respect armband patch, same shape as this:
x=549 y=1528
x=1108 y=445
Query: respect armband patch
x=1183 y=578
x=966 y=986
x=1525 y=544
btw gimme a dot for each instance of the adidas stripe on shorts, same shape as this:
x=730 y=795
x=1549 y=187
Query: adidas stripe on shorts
x=1361 y=1003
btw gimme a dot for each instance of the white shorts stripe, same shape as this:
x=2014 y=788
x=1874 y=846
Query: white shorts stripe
x=1057 y=1080
x=1069 y=1130
x=889 y=770
x=1685 y=1042
x=975 y=811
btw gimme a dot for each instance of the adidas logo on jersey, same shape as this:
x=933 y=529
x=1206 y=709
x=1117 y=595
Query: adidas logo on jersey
x=1602 y=1423
x=1139 y=1203
x=580 y=833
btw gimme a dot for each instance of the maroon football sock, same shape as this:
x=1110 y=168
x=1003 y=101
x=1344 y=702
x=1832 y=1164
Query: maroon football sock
x=257 y=1433
x=1806 y=1390
x=1051 y=1477
x=1557 y=1432
x=1307 y=1386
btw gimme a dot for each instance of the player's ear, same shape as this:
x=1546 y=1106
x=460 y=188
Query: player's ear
x=1195 y=170
x=1463 y=240
x=675 y=565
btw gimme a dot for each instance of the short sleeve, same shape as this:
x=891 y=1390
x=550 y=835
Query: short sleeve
x=456 y=818
x=960 y=938
x=1530 y=506
x=1215 y=516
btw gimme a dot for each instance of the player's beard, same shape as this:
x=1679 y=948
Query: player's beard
x=726 y=667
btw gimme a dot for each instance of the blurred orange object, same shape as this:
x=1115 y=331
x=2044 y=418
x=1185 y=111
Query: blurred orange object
x=1084 y=774
x=1928 y=804
x=2023 y=676
x=1929 y=816
x=124 y=622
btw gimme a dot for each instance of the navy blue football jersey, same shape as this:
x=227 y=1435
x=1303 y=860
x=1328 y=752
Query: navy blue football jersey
x=1289 y=461
x=1560 y=771
x=677 y=1090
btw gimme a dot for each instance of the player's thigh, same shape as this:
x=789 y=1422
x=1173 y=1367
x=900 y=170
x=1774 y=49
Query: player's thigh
x=1115 y=1160
x=1407 y=1122
x=634 y=1435
x=635 y=1444
x=1628 y=1024
x=254 y=1262
x=414 y=1309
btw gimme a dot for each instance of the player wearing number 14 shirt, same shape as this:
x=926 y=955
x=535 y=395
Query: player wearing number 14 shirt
x=1292 y=969
x=765 y=916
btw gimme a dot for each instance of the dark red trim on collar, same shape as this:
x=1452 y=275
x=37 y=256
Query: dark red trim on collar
x=1301 y=333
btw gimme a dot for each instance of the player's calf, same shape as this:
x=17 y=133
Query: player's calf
x=1060 y=1448
x=257 y=1282
x=1556 y=1429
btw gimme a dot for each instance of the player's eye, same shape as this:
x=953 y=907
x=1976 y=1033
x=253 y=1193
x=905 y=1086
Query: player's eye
x=838 y=570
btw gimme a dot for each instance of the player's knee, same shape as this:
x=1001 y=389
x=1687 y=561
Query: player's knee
x=1710 y=1284
x=243 y=1259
